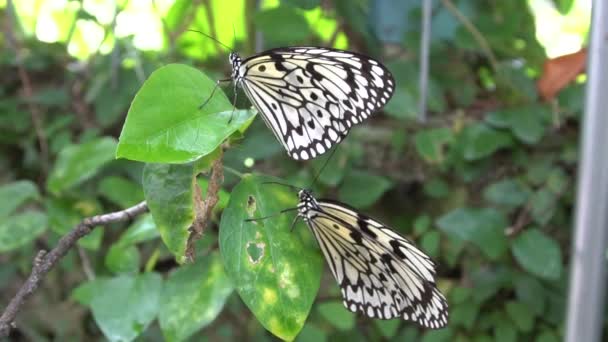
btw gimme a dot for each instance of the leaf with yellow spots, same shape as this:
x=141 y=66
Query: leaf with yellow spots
x=275 y=271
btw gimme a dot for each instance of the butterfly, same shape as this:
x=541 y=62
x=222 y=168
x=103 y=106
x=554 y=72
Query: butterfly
x=381 y=273
x=310 y=97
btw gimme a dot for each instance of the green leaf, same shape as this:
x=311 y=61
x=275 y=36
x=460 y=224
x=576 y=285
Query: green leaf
x=303 y=4
x=436 y=188
x=193 y=296
x=77 y=163
x=543 y=205
x=311 y=333
x=431 y=143
x=388 y=328
x=124 y=306
x=440 y=335
x=142 y=230
x=430 y=243
x=538 y=254
x=459 y=295
x=122 y=259
x=480 y=141
x=337 y=315
x=520 y=315
x=64 y=214
x=402 y=105
x=85 y=292
x=169 y=192
x=422 y=224
x=508 y=192
x=558 y=181
x=13 y=195
x=504 y=331
x=19 y=229
x=547 y=336
x=165 y=124
x=531 y=292
x=121 y=191
x=464 y=315
x=282 y=25
x=527 y=123
x=483 y=227
x=361 y=189
x=276 y=272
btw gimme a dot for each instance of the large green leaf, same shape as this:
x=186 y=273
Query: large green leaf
x=508 y=192
x=77 y=163
x=19 y=229
x=361 y=189
x=169 y=192
x=165 y=124
x=192 y=297
x=123 y=306
x=538 y=254
x=527 y=123
x=276 y=272
x=12 y=195
x=480 y=141
x=483 y=227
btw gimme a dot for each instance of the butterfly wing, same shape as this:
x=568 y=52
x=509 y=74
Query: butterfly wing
x=381 y=274
x=310 y=97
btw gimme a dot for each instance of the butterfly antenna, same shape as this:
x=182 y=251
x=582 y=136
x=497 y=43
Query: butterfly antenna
x=284 y=184
x=212 y=38
x=331 y=154
x=254 y=219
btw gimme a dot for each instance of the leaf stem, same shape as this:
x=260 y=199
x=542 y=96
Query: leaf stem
x=233 y=172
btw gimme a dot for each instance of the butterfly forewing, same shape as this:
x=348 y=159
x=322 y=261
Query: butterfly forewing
x=310 y=97
x=381 y=274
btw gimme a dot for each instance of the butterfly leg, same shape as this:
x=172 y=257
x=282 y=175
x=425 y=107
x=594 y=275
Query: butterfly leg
x=293 y=223
x=217 y=84
x=233 y=103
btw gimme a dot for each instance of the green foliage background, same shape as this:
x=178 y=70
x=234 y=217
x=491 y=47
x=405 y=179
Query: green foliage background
x=485 y=187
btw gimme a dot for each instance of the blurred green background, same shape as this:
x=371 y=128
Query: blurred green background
x=486 y=186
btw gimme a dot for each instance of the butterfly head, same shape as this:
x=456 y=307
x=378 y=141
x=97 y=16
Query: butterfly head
x=307 y=202
x=235 y=61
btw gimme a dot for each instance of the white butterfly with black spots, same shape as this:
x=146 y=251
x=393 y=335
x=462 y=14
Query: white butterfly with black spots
x=381 y=273
x=310 y=97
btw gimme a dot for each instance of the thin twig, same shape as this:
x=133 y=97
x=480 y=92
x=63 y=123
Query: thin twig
x=211 y=22
x=481 y=40
x=44 y=262
x=521 y=221
x=36 y=114
x=86 y=264
x=204 y=208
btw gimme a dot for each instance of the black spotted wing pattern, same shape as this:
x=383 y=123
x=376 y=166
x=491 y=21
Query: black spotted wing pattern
x=381 y=274
x=310 y=97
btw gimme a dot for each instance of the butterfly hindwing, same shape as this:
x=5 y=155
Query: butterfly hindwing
x=310 y=97
x=381 y=274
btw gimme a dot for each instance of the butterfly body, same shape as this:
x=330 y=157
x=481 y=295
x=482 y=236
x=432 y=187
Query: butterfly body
x=310 y=97
x=381 y=274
